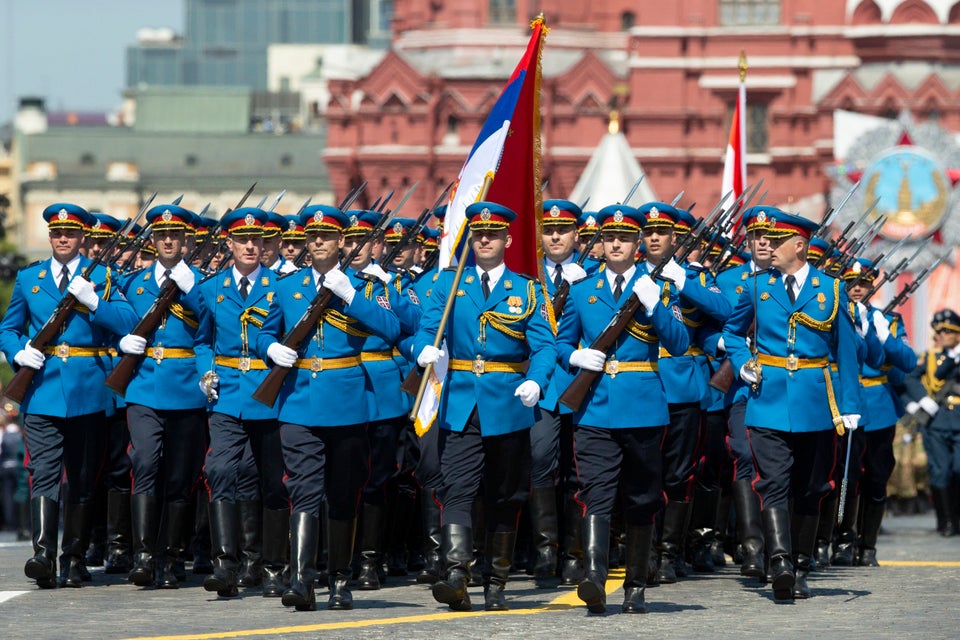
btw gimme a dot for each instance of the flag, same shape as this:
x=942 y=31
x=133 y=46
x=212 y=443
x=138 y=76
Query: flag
x=735 y=162
x=507 y=152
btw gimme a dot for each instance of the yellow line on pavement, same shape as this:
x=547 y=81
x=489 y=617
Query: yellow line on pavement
x=917 y=563
x=563 y=602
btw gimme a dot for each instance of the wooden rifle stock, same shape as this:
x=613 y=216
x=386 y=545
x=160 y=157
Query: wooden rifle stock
x=722 y=378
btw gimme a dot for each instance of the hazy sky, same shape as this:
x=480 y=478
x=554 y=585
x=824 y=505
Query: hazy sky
x=72 y=52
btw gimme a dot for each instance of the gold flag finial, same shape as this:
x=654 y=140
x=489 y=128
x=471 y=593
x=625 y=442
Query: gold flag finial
x=614 y=125
x=742 y=65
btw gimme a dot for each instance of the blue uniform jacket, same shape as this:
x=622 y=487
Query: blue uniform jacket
x=878 y=396
x=510 y=326
x=229 y=327
x=631 y=398
x=330 y=397
x=817 y=325
x=732 y=282
x=71 y=387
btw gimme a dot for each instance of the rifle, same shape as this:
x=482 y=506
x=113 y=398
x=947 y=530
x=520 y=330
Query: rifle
x=411 y=234
x=840 y=238
x=630 y=193
x=119 y=378
x=16 y=389
x=348 y=200
x=268 y=390
x=907 y=290
x=563 y=291
x=832 y=213
x=893 y=274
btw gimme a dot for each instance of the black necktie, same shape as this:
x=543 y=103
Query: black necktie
x=557 y=275
x=64 y=279
x=320 y=280
x=618 y=287
x=485 y=285
x=166 y=276
x=791 y=282
x=244 y=287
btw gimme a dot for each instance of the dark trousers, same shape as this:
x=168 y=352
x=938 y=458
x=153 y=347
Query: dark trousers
x=857 y=441
x=55 y=445
x=500 y=463
x=325 y=464
x=384 y=437
x=943 y=455
x=878 y=463
x=796 y=466
x=116 y=469
x=427 y=472
x=624 y=459
x=714 y=466
x=738 y=443
x=545 y=449
x=166 y=450
x=679 y=447
x=245 y=452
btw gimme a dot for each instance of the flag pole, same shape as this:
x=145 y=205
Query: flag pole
x=448 y=306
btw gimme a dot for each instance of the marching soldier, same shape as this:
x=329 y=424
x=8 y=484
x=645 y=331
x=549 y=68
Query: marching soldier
x=793 y=408
x=235 y=305
x=619 y=426
x=937 y=376
x=167 y=430
x=325 y=447
x=292 y=240
x=502 y=353
x=64 y=405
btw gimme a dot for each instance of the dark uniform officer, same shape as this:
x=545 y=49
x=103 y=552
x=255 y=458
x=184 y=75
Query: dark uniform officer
x=64 y=406
x=620 y=425
x=937 y=375
x=502 y=353
x=801 y=318
x=167 y=430
x=234 y=306
x=325 y=447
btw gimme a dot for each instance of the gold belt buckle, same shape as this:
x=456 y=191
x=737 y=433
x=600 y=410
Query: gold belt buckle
x=793 y=363
x=316 y=364
x=479 y=366
x=611 y=368
x=244 y=364
x=63 y=351
x=158 y=354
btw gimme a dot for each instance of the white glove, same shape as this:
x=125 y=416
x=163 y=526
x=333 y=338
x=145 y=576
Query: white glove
x=954 y=352
x=647 y=292
x=376 y=270
x=339 y=283
x=209 y=390
x=183 y=276
x=721 y=346
x=912 y=407
x=851 y=421
x=134 y=345
x=429 y=355
x=572 y=272
x=528 y=392
x=82 y=290
x=748 y=375
x=281 y=355
x=589 y=359
x=864 y=325
x=882 y=325
x=29 y=357
x=288 y=267
x=674 y=273
x=929 y=405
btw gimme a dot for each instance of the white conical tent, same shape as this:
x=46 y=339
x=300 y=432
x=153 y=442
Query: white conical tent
x=610 y=174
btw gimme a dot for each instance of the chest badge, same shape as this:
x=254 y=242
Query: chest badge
x=515 y=304
x=297 y=295
x=42 y=274
x=220 y=298
x=765 y=295
x=139 y=291
x=592 y=300
x=35 y=289
x=468 y=279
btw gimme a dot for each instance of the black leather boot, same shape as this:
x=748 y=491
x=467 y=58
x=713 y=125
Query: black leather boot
x=545 y=531
x=479 y=524
x=845 y=546
x=721 y=528
x=176 y=516
x=224 y=526
x=276 y=546
x=776 y=527
x=671 y=542
x=119 y=558
x=304 y=540
x=96 y=551
x=805 y=538
x=944 y=501
x=44 y=520
x=596 y=559
x=746 y=503
x=251 y=543
x=340 y=535
x=456 y=549
x=430 y=513
x=871 y=515
x=146 y=529
x=76 y=527
x=571 y=565
x=636 y=560
x=371 y=547
x=202 y=538
x=703 y=516
x=499 y=549
x=825 y=531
